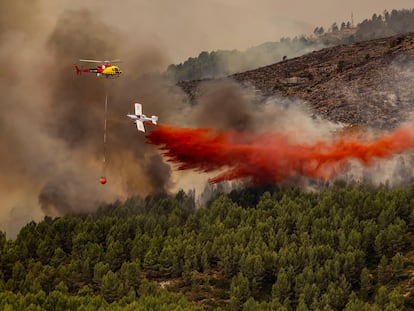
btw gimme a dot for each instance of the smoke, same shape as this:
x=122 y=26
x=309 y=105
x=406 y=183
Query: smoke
x=231 y=62
x=225 y=105
x=51 y=125
x=77 y=114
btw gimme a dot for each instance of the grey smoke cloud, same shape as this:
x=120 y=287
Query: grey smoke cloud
x=52 y=121
x=78 y=118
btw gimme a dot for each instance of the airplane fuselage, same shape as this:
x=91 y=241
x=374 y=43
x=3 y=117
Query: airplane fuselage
x=141 y=117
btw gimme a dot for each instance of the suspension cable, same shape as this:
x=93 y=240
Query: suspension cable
x=103 y=178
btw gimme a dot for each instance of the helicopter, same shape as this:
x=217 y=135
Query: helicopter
x=105 y=69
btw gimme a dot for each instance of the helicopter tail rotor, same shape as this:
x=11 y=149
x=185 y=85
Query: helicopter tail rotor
x=77 y=69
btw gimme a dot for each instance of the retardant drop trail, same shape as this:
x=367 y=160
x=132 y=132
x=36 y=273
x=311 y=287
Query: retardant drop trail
x=271 y=156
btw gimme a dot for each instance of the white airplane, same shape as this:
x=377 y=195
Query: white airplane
x=140 y=118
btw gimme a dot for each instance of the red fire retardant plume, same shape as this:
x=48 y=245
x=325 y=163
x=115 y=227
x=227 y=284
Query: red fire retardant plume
x=271 y=156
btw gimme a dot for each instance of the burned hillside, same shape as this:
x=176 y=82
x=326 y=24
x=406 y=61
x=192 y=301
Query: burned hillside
x=366 y=83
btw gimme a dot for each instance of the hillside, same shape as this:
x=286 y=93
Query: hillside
x=270 y=248
x=366 y=83
x=221 y=63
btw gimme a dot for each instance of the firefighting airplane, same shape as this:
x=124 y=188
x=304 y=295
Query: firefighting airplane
x=105 y=68
x=140 y=118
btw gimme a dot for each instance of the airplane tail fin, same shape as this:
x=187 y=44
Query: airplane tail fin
x=77 y=69
x=154 y=120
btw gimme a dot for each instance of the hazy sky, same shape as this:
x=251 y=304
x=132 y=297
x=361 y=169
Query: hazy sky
x=184 y=28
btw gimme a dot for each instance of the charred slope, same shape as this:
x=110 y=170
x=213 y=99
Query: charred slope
x=368 y=83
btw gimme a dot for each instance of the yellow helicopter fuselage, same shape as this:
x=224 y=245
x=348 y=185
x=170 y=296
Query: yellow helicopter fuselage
x=111 y=70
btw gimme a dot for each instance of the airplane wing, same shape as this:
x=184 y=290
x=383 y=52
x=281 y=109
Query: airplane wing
x=140 y=126
x=138 y=109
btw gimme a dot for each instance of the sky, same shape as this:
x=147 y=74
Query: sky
x=184 y=28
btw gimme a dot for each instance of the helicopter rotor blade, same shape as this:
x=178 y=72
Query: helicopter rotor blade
x=112 y=61
x=91 y=61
